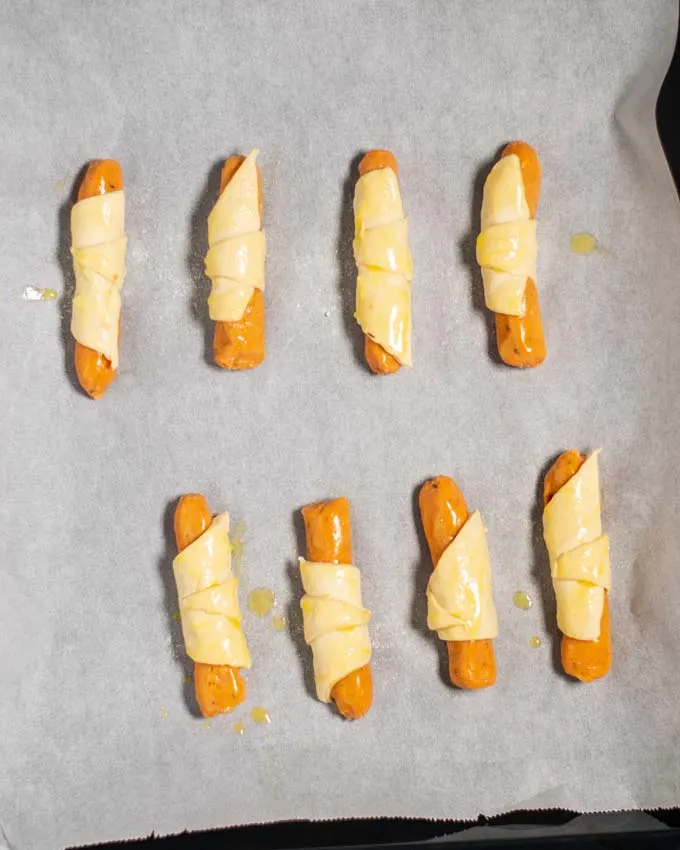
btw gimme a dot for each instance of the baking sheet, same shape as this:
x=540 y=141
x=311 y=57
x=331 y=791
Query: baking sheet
x=99 y=735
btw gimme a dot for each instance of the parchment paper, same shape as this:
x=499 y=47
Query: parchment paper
x=99 y=738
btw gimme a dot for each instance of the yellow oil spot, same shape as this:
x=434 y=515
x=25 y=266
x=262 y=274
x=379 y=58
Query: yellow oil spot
x=584 y=244
x=260 y=715
x=535 y=641
x=261 y=600
x=206 y=723
x=237 y=546
x=522 y=600
x=60 y=185
x=279 y=624
x=188 y=679
x=164 y=712
x=177 y=617
x=239 y=727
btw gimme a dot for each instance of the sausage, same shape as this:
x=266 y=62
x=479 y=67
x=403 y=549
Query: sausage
x=328 y=535
x=93 y=369
x=379 y=361
x=219 y=688
x=586 y=660
x=520 y=339
x=240 y=345
x=444 y=512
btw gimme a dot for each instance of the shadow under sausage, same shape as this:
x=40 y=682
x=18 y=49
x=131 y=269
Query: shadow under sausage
x=421 y=576
x=541 y=572
x=347 y=271
x=197 y=248
x=468 y=254
x=294 y=612
x=65 y=261
x=171 y=605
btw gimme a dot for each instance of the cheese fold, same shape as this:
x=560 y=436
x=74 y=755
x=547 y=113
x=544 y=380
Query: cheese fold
x=236 y=245
x=506 y=247
x=383 y=257
x=208 y=599
x=460 y=602
x=579 y=553
x=98 y=245
x=335 y=622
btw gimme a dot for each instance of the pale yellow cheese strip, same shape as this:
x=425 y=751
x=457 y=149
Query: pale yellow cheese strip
x=98 y=248
x=506 y=246
x=460 y=602
x=335 y=622
x=236 y=255
x=579 y=553
x=383 y=257
x=208 y=599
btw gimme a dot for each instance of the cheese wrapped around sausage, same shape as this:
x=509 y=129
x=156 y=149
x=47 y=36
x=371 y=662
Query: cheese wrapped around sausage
x=235 y=259
x=335 y=622
x=579 y=553
x=208 y=599
x=383 y=258
x=98 y=248
x=460 y=602
x=506 y=247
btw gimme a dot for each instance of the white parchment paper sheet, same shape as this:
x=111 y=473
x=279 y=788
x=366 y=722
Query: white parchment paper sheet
x=98 y=736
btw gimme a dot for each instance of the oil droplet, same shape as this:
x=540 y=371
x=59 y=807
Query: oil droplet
x=261 y=601
x=177 y=617
x=584 y=244
x=188 y=679
x=237 y=547
x=260 y=715
x=239 y=727
x=206 y=723
x=60 y=185
x=164 y=712
x=522 y=600
x=30 y=293
x=279 y=624
x=535 y=641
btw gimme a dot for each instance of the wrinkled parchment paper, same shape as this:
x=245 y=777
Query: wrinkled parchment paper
x=99 y=739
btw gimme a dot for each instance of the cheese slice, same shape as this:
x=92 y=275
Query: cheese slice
x=506 y=247
x=208 y=599
x=237 y=246
x=335 y=622
x=460 y=602
x=579 y=553
x=383 y=257
x=98 y=248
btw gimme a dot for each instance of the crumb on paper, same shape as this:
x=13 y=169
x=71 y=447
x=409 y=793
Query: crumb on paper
x=164 y=712
x=32 y=293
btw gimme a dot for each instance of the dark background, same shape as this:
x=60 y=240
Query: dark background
x=535 y=830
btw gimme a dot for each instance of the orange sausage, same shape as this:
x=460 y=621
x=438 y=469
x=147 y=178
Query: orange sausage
x=379 y=361
x=94 y=371
x=444 y=512
x=219 y=687
x=520 y=339
x=328 y=534
x=586 y=660
x=240 y=345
